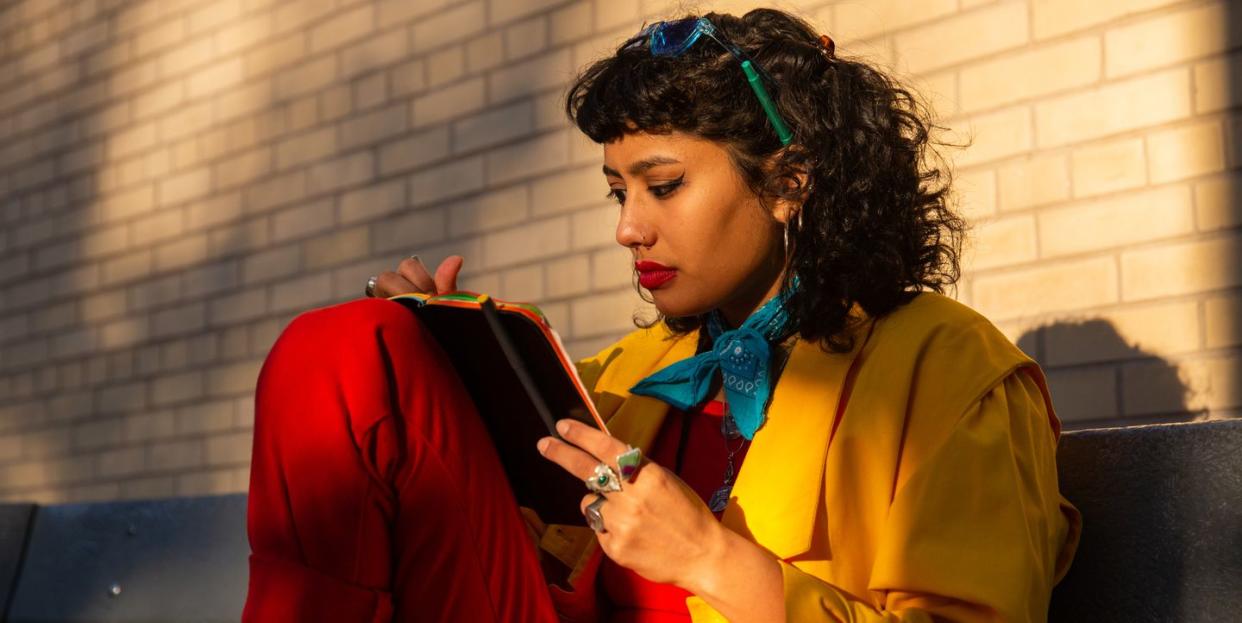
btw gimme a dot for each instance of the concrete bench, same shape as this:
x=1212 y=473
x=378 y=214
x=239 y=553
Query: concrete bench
x=1163 y=541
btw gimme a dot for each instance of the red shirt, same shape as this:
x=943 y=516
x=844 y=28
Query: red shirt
x=631 y=598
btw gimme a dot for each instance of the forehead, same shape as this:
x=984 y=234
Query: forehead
x=684 y=148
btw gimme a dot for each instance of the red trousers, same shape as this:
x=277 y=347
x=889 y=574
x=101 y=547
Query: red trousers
x=375 y=492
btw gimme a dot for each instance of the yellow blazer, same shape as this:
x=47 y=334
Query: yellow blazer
x=936 y=494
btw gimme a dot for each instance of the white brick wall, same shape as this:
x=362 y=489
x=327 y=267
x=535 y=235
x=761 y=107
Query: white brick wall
x=178 y=179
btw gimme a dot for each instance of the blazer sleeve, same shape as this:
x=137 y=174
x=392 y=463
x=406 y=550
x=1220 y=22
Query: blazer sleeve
x=977 y=532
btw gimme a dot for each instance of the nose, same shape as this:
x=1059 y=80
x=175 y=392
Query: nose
x=632 y=230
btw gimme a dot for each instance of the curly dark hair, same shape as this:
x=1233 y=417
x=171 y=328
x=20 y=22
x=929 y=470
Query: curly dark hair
x=876 y=225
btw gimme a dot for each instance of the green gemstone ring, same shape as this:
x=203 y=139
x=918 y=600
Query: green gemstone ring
x=604 y=479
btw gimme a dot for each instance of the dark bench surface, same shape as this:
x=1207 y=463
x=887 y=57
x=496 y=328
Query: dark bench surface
x=1163 y=540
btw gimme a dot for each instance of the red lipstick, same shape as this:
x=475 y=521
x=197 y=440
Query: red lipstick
x=652 y=275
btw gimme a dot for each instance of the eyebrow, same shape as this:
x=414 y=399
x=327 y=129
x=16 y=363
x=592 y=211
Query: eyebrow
x=640 y=167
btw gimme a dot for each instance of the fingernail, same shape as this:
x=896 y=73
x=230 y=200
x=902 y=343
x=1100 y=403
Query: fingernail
x=543 y=445
x=562 y=427
x=416 y=259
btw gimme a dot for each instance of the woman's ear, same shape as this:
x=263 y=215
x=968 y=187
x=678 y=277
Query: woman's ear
x=789 y=167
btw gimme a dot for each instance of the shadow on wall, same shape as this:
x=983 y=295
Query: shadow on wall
x=1106 y=382
x=1233 y=86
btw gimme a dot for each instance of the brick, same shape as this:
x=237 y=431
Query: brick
x=1124 y=334
x=155 y=292
x=1218 y=203
x=1169 y=39
x=212 y=278
x=494 y=126
x=1184 y=152
x=541 y=154
x=1049 y=288
x=372 y=127
x=343 y=28
x=238 y=378
x=1222 y=329
x=272 y=264
x=1050 y=18
x=414 y=151
x=977 y=193
x=179 y=320
x=485 y=52
x=185 y=186
x=502 y=11
x=453 y=179
x=370 y=91
x=215 y=78
x=172 y=455
x=214 y=15
x=548 y=71
x=70 y=406
x=239 y=238
x=181 y=253
x=1103 y=168
x=401 y=233
x=243 y=168
x=306 y=78
x=124 y=332
x=602 y=314
x=374 y=52
x=397 y=11
x=1003 y=242
x=994 y=136
x=372 y=201
x=448 y=102
x=177 y=388
x=446 y=65
x=526 y=37
x=863 y=20
x=571 y=23
x=1218 y=83
x=303 y=14
x=238 y=307
x=121 y=462
x=1117 y=107
x=159 y=37
x=214 y=482
x=161 y=99
x=567 y=276
x=1084 y=394
x=127 y=267
x=534 y=241
x=303 y=220
x=409 y=78
x=1162 y=387
x=132 y=140
x=612 y=15
x=963 y=37
x=302 y=293
x=98 y=433
x=577 y=188
x=1120 y=221
x=448 y=26
x=306 y=147
x=488 y=212
x=207 y=417
x=148 y=488
x=341 y=172
x=612 y=267
x=1038 y=180
x=1181 y=268
x=337 y=247
x=522 y=284
x=595 y=228
x=1039 y=72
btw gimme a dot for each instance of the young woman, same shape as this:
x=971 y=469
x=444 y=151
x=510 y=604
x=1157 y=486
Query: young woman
x=827 y=437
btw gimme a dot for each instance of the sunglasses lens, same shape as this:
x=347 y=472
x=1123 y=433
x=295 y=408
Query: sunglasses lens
x=673 y=38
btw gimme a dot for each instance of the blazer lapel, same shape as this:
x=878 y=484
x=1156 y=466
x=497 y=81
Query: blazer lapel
x=638 y=418
x=777 y=492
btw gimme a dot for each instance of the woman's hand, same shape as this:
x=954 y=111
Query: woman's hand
x=656 y=525
x=412 y=276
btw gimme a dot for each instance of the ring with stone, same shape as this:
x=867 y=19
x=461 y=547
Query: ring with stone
x=604 y=479
x=370 y=289
x=628 y=462
x=593 y=516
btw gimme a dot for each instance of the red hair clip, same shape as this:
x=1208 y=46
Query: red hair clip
x=828 y=45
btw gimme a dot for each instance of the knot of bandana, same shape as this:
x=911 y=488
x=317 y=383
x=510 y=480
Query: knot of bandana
x=743 y=357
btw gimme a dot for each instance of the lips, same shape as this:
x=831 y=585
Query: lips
x=652 y=275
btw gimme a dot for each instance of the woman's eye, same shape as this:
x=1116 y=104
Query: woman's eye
x=664 y=190
x=617 y=195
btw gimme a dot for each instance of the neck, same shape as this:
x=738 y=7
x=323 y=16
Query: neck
x=737 y=311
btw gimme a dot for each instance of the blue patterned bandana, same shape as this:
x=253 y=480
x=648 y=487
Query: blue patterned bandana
x=742 y=355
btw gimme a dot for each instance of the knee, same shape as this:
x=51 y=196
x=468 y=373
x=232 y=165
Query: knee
x=336 y=335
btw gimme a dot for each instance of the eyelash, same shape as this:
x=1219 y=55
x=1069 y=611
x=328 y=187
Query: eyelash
x=661 y=191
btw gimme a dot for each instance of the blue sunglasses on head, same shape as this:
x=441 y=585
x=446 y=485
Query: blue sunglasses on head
x=674 y=38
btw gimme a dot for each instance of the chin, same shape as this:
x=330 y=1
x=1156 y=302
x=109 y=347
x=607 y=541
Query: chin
x=674 y=306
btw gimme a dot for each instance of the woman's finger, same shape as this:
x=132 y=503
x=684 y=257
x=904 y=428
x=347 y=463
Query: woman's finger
x=574 y=460
x=391 y=284
x=446 y=273
x=412 y=269
x=583 y=448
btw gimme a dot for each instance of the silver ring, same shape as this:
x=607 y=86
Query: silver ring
x=604 y=479
x=593 y=516
x=370 y=289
